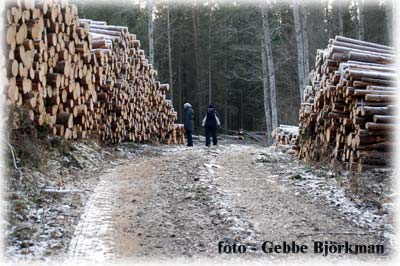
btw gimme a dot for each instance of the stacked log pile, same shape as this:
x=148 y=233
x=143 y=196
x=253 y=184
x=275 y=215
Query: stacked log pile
x=177 y=135
x=82 y=78
x=285 y=135
x=348 y=113
x=131 y=104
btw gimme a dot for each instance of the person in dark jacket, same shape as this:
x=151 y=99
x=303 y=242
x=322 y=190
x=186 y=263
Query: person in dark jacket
x=211 y=124
x=188 y=122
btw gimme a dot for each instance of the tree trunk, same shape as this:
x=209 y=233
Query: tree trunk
x=241 y=110
x=270 y=64
x=340 y=14
x=225 y=96
x=300 y=49
x=360 y=8
x=327 y=15
x=389 y=21
x=267 y=109
x=305 y=42
x=230 y=116
x=194 y=33
x=150 y=30
x=180 y=85
x=197 y=88
x=209 y=62
x=171 y=85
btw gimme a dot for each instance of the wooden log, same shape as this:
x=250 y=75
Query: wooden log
x=65 y=119
x=370 y=92
x=346 y=50
x=381 y=146
x=370 y=111
x=363 y=43
x=380 y=98
x=386 y=119
x=366 y=140
x=379 y=81
x=352 y=85
x=372 y=58
x=358 y=74
x=363 y=47
x=56 y=71
x=380 y=126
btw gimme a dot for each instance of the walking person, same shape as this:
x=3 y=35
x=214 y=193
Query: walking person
x=188 y=120
x=211 y=124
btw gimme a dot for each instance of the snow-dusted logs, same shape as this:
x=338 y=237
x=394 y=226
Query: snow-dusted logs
x=177 y=135
x=83 y=78
x=348 y=112
x=131 y=104
x=50 y=72
x=285 y=135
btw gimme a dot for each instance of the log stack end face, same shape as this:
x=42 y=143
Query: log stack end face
x=84 y=78
x=348 y=114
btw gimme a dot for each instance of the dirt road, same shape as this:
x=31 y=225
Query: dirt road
x=181 y=202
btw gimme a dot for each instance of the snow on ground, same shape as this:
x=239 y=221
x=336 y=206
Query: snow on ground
x=322 y=183
x=148 y=200
x=96 y=221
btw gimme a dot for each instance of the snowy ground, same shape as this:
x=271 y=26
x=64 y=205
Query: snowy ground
x=176 y=201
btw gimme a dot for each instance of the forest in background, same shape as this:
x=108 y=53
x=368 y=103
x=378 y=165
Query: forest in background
x=248 y=59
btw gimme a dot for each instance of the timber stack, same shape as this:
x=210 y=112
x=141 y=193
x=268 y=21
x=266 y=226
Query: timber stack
x=348 y=112
x=177 y=135
x=84 y=78
x=285 y=135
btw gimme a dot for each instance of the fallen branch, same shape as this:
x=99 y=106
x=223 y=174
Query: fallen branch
x=247 y=133
x=63 y=191
x=13 y=157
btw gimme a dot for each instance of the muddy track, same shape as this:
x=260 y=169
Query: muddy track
x=182 y=202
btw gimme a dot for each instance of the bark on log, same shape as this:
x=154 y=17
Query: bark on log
x=348 y=112
x=84 y=78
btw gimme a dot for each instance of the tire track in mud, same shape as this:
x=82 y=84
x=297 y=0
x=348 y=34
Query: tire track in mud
x=281 y=211
x=183 y=201
x=91 y=239
x=164 y=206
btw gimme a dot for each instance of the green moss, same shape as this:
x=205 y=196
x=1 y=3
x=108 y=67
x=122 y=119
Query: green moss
x=297 y=176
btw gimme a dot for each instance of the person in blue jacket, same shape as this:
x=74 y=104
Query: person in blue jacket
x=211 y=123
x=188 y=121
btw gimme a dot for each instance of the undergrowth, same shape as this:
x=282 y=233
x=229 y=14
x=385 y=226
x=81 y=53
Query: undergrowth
x=32 y=143
x=28 y=140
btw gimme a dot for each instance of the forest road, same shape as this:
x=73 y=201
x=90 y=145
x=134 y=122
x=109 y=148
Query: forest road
x=181 y=202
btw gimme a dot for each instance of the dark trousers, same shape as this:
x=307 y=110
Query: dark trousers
x=189 y=137
x=211 y=131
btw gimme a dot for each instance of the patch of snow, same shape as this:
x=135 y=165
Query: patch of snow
x=321 y=184
x=88 y=242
